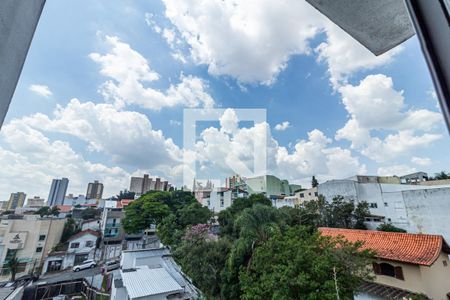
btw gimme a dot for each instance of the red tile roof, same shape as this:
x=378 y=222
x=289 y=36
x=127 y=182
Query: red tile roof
x=64 y=208
x=419 y=249
x=81 y=233
x=124 y=202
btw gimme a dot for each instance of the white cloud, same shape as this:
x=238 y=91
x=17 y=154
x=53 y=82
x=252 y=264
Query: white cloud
x=41 y=90
x=174 y=123
x=33 y=161
x=245 y=39
x=130 y=74
x=398 y=170
x=421 y=161
x=126 y=135
x=375 y=105
x=218 y=148
x=282 y=126
x=345 y=56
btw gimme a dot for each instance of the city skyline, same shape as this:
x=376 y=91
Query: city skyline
x=105 y=102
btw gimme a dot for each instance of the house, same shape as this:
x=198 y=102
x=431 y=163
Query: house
x=80 y=247
x=150 y=274
x=93 y=224
x=405 y=264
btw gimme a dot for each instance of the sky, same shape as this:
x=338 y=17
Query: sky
x=104 y=88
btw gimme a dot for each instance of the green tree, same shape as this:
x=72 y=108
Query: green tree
x=70 y=228
x=314 y=182
x=125 y=195
x=43 y=211
x=54 y=211
x=13 y=265
x=299 y=265
x=441 y=176
x=193 y=214
x=390 y=228
x=145 y=211
x=254 y=226
x=203 y=259
x=360 y=214
x=339 y=213
x=170 y=232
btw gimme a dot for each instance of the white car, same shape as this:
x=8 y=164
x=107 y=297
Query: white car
x=85 y=265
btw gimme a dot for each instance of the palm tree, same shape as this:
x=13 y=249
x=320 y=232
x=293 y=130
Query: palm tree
x=13 y=266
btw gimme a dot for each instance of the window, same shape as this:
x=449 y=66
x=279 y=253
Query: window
x=74 y=245
x=385 y=204
x=221 y=203
x=302 y=195
x=309 y=194
x=373 y=205
x=38 y=249
x=388 y=270
x=42 y=237
x=316 y=194
x=389 y=219
x=89 y=244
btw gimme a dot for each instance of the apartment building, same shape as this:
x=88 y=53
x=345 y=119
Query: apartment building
x=30 y=239
x=221 y=198
x=36 y=201
x=271 y=186
x=58 y=191
x=94 y=190
x=406 y=266
x=142 y=185
x=16 y=200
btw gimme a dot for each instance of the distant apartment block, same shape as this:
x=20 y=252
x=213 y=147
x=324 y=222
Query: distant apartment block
x=142 y=185
x=57 y=192
x=271 y=186
x=94 y=190
x=16 y=200
x=36 y=201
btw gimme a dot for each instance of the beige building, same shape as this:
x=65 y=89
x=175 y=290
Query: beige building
x=16 y=200
x=306 y=195
x=36 y=201
x=30 y=238
x=406 y=264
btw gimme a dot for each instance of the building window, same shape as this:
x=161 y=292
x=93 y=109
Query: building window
x=388 y=270
x=302 y=195
x=42 y=237
x=221 y=203
x=309 y=194
x=38 y=249
x=89 y=244
x=316 y=194
x=373 y=205
x=385 y=204
x=74 y=245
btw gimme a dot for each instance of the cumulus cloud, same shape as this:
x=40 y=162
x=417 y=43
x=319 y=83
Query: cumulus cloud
x=421 y=161
x=373 y=105
x=219 y=148
x=345 y=56
x=41 y=90
x=282 y=126
x=33 y=160
x=126 y=135
x=244 y=39
x=398 y=170
x=130 y=74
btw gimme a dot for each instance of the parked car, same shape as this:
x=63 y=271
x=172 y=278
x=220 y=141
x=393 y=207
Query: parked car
x=111 y=265
x=85 y=265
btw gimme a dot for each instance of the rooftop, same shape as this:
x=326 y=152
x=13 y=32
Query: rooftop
x=81 y=233
x=146 y=282
x=419 y=249
x=64 y=208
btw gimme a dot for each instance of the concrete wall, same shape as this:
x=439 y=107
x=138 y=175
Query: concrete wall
x=428 y=211
x=18 y=21
x=436 y=278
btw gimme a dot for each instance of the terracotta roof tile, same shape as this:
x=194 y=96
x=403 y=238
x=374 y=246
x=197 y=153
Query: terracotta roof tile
x=81 y=233
x=64 y=208
x=419 y=249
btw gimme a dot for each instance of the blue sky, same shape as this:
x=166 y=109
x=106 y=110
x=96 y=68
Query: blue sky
x=104 y=86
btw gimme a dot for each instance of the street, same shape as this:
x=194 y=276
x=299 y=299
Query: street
x=68 y=275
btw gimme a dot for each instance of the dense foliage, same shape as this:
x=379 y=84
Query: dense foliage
x=260 y=252
x=390 y=228
x=46 y=211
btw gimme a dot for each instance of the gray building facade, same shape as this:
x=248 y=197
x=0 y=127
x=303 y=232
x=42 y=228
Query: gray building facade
x=57 y=192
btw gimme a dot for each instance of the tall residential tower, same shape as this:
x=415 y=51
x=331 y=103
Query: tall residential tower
x=57 y=192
